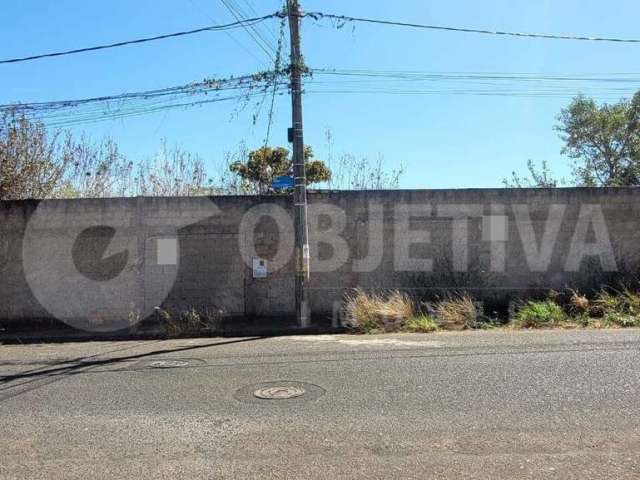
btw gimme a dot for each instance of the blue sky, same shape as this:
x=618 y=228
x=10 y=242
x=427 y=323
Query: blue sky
x=443 y=140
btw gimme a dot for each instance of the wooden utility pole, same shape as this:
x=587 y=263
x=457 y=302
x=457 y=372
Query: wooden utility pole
x=299 y=174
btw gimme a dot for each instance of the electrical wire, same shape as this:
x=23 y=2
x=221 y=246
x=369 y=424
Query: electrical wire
x=265 y=47
x=272 y=33
x=345 y=18
x=89 y=110
x=255 y=28
x=627 y=77
x=212 y=28
x=277 y=67
x=230 y=35
x=344 y=81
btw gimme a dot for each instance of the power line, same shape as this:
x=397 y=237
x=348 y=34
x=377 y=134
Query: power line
x=93 y=109
x=196 y=5
x=249 y=29
x=212 y=28
x=258 y=32
x=194 y=87
x=103 y=116
x=249 y=23
x=277 y=68
x=632 y=78
x=345 y=18
x=357 y=82
x=479 y=93
x=268 y=28
x=344 y=81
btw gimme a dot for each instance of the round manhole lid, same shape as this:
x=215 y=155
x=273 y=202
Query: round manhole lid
x=279 y=392
x=286 y=392
x=168 y=364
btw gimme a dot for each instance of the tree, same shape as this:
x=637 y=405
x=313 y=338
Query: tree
x=32 y=162
x=603 y=141
x=267 y=163
x=350 y=172
x=94 y=170
x=540 y=178
x=35 y=163
x=173 y=172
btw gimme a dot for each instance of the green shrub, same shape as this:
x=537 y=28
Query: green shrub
x=630 y=302
x=540 y=314
x=605 y=303
x=617 y=310
x=420 y=324
x=619 y=319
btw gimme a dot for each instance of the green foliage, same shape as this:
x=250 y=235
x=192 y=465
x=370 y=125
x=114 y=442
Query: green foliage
x=620 y=309
x=267 y=163
x=604 y=303
x=603 y=140
x=420 y=324
x=541 y=177
x=618 y=319
x=630 y=302
x=540 y=314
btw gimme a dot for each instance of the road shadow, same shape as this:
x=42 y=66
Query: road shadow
x=62 y=369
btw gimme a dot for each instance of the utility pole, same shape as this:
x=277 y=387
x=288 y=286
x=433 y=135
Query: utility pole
x=299 y=174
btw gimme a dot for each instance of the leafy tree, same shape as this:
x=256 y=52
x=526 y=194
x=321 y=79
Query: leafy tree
x=267 y=163
x=603 y=141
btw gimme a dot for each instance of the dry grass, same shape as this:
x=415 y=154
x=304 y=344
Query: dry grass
x=377 y=312
x=579 y=304
x=394 y=311
x=456 y=312
x=190 y=321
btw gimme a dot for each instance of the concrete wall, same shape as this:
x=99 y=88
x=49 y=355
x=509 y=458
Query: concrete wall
x=98 y=263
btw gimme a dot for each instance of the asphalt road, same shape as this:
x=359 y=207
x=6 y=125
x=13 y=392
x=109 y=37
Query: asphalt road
x=494 y=405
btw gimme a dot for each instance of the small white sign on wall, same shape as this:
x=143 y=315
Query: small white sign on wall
x=167 y=250
x=259 y=268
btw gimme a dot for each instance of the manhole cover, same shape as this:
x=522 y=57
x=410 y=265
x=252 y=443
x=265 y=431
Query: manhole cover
x=168 y=364
x=279 y=392
x=285 y=391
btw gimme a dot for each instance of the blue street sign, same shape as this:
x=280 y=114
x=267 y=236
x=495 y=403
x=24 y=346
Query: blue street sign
x=282 y=182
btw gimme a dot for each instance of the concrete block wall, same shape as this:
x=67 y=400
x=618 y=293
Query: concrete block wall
x=498 y=244
x=98 y=263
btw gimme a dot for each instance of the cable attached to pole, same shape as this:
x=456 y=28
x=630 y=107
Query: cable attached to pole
x=211 y=28
x=346 y=18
